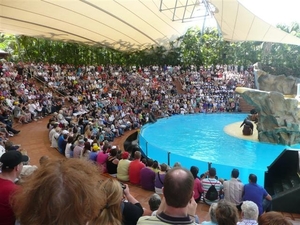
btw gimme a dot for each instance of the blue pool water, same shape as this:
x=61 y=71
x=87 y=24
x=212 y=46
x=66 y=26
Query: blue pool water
x=199 y=139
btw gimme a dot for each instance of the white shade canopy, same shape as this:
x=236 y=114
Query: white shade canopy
x=129 y=24
x=239 y=24
x=119 y=24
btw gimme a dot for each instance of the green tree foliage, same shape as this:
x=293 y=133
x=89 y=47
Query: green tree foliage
x=195 y=47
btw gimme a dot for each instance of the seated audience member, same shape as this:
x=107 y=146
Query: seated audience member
x=135 y=168
x=198 y=190
x=12 y=164
x=233 y=189
x=78 y=149
x=132 y=209
x=273 y=218
x=154 y=203
x=177 y=164
x=52 y=131
x=123 y=167
x=17 y=113
x=113 y=195
x=27 y=170
x=101 y=159
x=175 y=208
x=257 y=194
x=147 y=176
x=44 y=160
x=207 y=183
x=159 y=178
x=249 y=213
x=68 y=149
x=2 y=149
x=212 y=214
x=54 y=138
x=71 y=203
x=112 y=162
x=94 y=152
x=10 y=146
x=62 y=141
x=226 y=213
x=86 y=150
x=155 y=166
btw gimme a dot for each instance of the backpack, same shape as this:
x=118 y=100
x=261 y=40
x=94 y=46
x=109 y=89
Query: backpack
x=212 y=194
x=72 y=147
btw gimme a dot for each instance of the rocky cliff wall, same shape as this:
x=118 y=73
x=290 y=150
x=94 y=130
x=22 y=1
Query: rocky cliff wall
x=279 y=117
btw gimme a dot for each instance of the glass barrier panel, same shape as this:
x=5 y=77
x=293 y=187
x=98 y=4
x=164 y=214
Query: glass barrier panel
x=223 y=171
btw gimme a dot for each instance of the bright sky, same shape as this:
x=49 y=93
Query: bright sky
x=275 y=11
x=272 y=11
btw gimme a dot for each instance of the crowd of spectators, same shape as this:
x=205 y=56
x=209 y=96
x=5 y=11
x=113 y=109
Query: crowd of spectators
x=90 y=106
x=134 y=89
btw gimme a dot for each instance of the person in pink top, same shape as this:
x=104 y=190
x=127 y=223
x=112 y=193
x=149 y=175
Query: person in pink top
x=198 y=190
x=101 y=159
x=135 y=168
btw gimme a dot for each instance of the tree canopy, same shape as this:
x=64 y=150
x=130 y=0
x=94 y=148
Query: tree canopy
x=193 y=48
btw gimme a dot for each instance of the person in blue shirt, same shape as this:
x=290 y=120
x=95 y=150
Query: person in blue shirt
x=257 y=194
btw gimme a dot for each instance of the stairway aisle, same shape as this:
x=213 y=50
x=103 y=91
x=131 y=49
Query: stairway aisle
x=178 y=86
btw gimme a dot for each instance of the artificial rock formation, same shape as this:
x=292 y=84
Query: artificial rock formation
x=277 y=105
x=279 y=117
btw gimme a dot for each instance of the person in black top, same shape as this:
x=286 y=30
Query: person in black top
x=112 y=162
x=132 y=210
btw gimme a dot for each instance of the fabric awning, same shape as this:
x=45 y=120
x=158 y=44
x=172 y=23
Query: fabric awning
x=123 y=24
x=130 y=24
x=237 y=23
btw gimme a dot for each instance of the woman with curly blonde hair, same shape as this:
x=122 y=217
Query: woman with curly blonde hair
x=62 y=192
x=112 y=191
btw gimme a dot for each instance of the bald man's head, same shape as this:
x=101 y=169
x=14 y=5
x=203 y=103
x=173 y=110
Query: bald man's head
x=178 y=187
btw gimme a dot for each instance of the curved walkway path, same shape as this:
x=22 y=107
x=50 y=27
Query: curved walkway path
x=34 y=141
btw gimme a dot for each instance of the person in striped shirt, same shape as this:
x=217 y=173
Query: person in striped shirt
x=208 y=182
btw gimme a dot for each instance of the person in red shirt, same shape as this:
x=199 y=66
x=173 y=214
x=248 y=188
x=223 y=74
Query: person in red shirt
x=135 y=168
x=12 y=164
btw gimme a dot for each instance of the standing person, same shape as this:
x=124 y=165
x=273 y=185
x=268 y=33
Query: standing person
x=198 y=190
x=257 y=194
x=233 y=189
x=178 y=205
x=12 y=164
x=210 y=195
x=135 y=168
